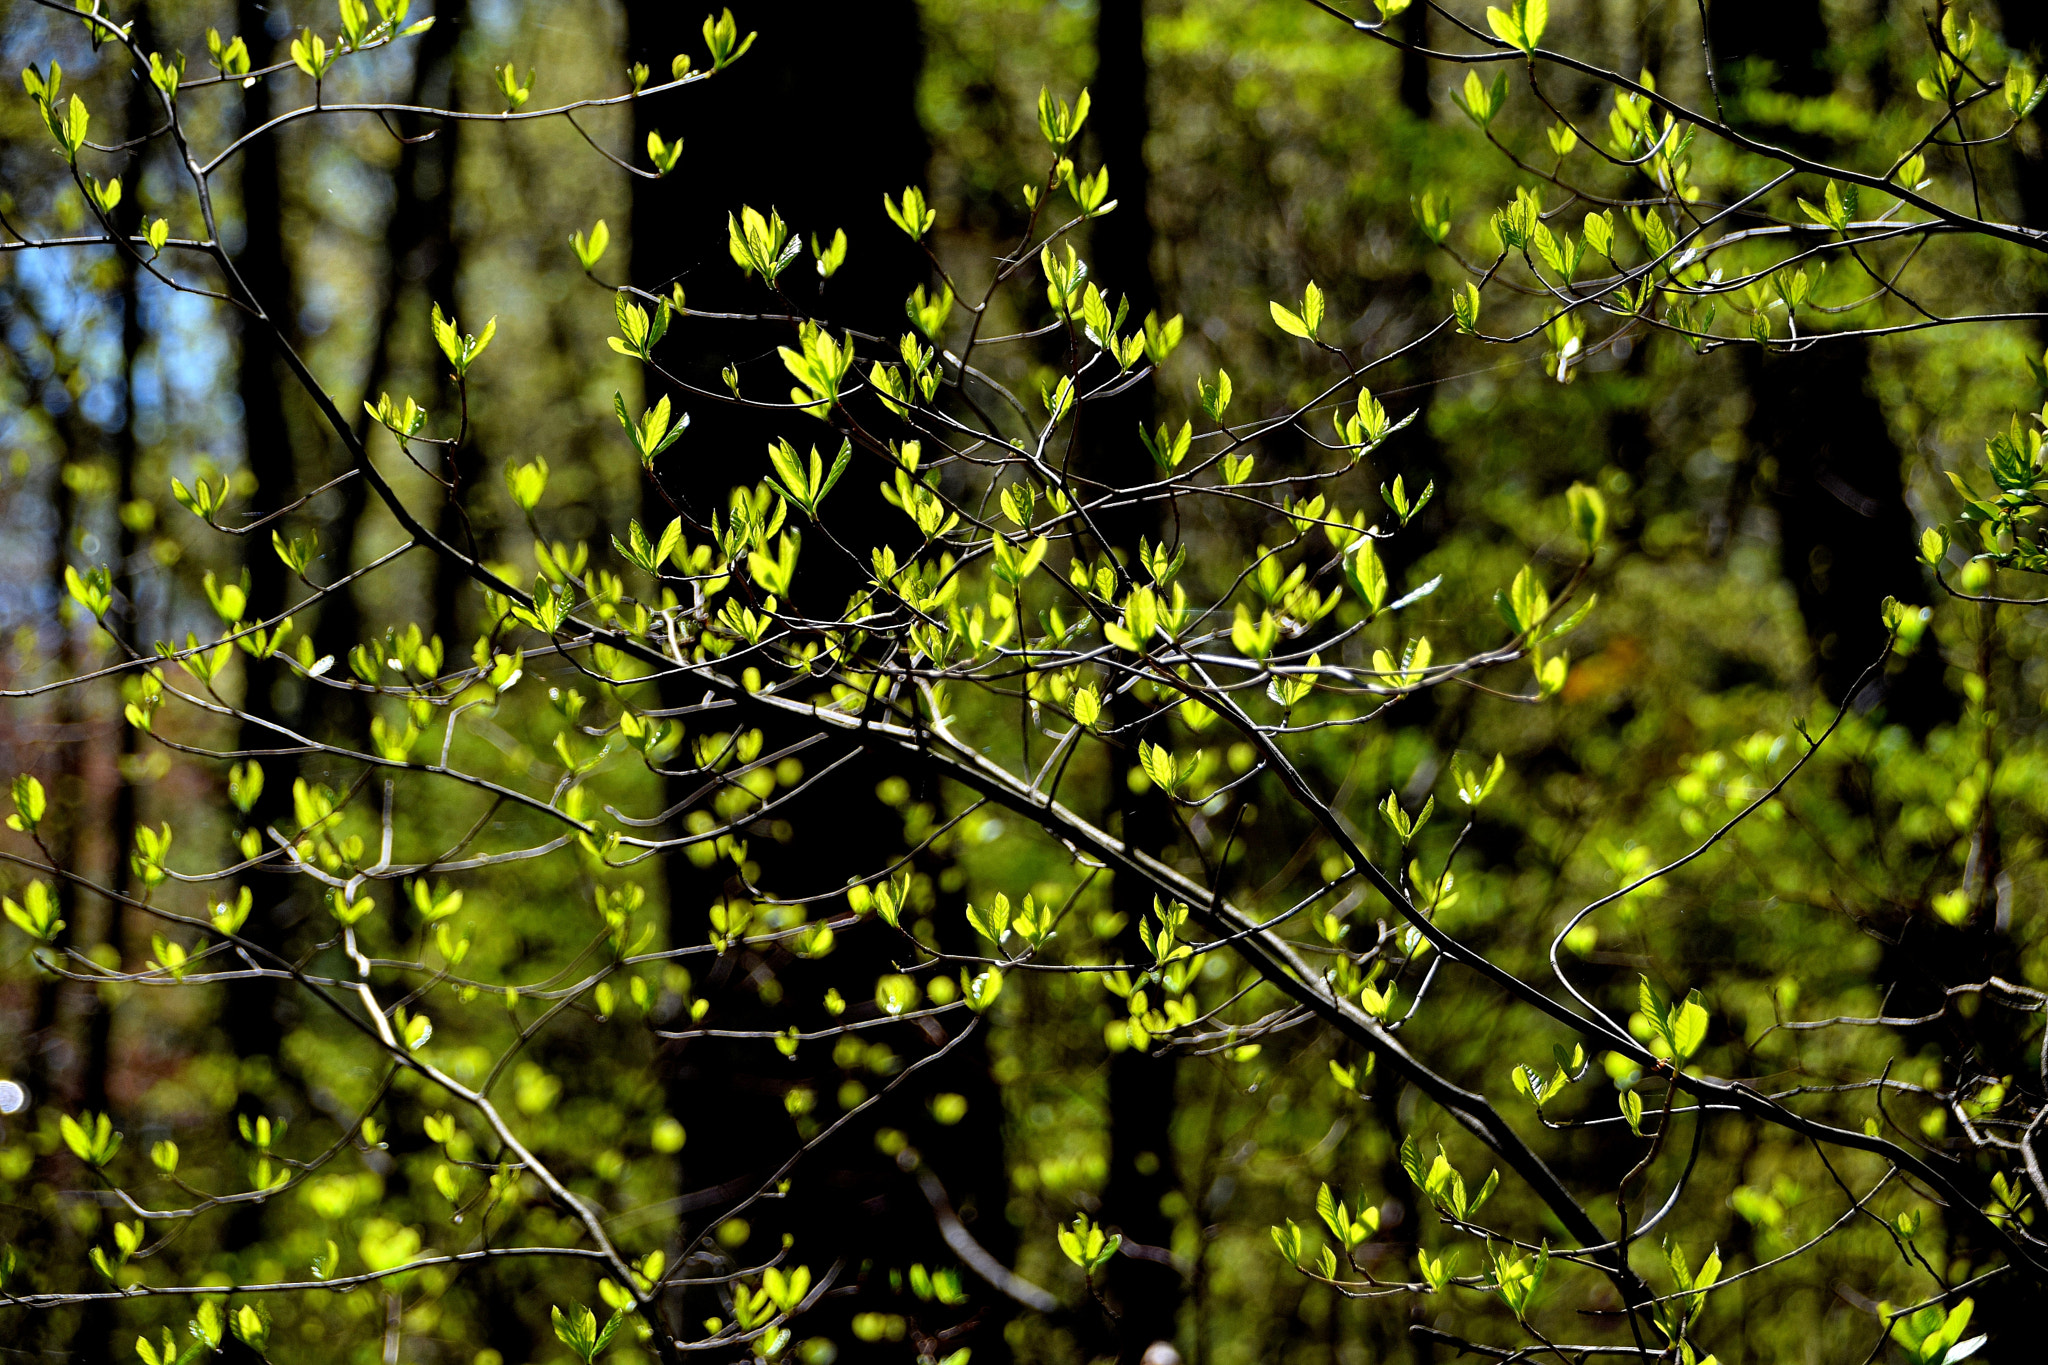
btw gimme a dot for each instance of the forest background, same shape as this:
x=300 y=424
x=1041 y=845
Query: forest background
x=1759 y=510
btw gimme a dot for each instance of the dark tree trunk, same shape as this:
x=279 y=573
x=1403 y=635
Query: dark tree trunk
x=764 y=134
x=54 y=1072
x=1846 y=537
x=249 y=1015
x=95 y=1341
x=2025 y=29
x=1770 y=44
x=1415 y=66
x=1147 y=1288
x=432 y=255
x=422 y=266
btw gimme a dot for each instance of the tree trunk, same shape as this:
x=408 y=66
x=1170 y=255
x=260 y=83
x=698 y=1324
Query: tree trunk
x=754 y=138
x=1142 y=1169
x=249 y=1014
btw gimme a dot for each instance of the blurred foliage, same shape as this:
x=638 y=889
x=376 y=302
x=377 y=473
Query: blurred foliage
x=1757 y=512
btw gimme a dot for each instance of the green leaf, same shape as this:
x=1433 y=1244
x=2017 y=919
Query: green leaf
x=663 y=154
x=1588 y=511
x=912 y=214
x=208 y=1326
x=1086 y=705
x=36 y=913
x=1485 y=1192
x=1287 y=1241
x=1632 y=1111
x=1215 y=398
x=1688 y=1027
x=1290 y=323
x=1506 y=27
x=1058 y=123
x=1366 y=575
x=1600 y=232
x=591 y=250
x=1529 y=598
x=1648 y=1001
x=1158 y=764
x=515 y=91
x=1465 y=307
x=578 y=1330
x=252 y=1325
x=91 y=1137
x=652 y=434
x=830 y=255
x=1161 y=338
x=1312 y=308
x=1473 y=788
x=460 y=350
x=721 y=36
x=30 y=803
